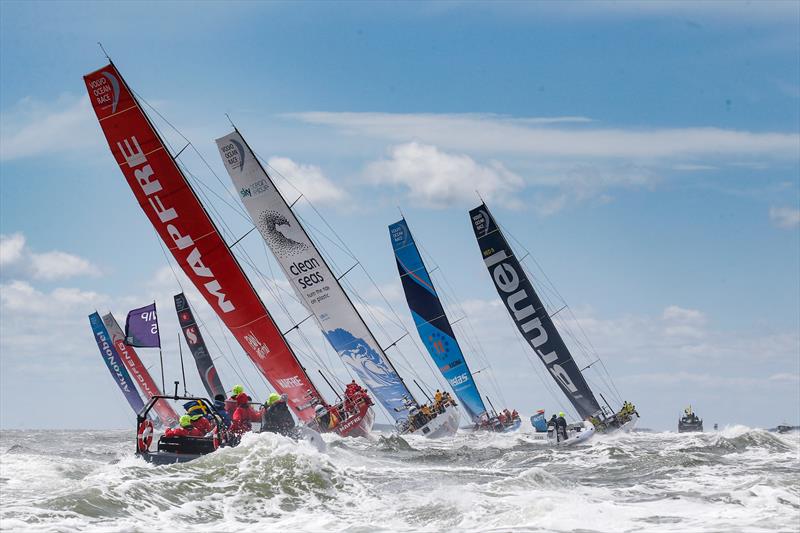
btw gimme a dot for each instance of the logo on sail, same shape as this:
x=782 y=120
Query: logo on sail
x=239 y=149
x=275 y=227
x=260 y=348
x=115 y=89
x=481 y=222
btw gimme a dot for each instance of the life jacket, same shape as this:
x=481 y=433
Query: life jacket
x=203 y=425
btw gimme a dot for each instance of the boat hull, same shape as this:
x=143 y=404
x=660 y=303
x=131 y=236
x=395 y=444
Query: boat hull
x=443 y=425
x=358 y=425
x=577 y=434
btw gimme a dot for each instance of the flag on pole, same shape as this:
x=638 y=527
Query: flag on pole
x=141 y=328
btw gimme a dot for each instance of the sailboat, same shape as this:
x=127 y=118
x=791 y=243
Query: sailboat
x=185 y=227
x=114 y=363
x=437 y=333
x=321 y=293
x=537 y=327
x=194 y=339
x=142 y=376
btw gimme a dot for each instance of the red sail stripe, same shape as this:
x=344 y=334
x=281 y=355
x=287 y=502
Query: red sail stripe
x=138 y=371
x=180 y=220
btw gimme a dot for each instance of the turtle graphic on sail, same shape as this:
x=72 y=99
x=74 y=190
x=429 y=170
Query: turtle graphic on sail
x=437 y=334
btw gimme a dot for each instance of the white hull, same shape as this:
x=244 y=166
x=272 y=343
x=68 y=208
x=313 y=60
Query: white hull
x=629 y=426
x=444 y=425
x=577 y=433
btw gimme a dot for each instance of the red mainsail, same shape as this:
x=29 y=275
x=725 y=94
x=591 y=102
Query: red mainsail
x=183 y=224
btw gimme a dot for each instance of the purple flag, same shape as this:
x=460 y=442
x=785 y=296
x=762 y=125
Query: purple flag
x=141 y=328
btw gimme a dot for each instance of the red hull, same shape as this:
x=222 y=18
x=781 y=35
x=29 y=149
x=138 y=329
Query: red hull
x=358 y=425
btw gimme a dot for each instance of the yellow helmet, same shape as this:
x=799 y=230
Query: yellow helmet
x=185 y=421
x=237 y=390
x=274 y=397
x=561 y=414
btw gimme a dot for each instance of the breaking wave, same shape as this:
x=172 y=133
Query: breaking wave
x=738 y=479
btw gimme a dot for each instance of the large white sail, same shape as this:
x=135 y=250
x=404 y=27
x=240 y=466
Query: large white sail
x=310 y=277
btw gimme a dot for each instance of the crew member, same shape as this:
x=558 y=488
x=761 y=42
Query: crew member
x=326 y=419
x=276 y=417
x=552 y=424
x=231 y=404
x=561 y=426
x=184 y=429
x=220 y=411
x=243 y=416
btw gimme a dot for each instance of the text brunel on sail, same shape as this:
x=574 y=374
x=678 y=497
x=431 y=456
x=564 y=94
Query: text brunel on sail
x=134 y=156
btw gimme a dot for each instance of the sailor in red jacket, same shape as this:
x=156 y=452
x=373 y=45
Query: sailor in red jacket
x=185 y=429
x=244 y=415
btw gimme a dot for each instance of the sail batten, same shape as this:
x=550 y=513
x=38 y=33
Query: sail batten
x=431 y=320
x=178 y=216
x=528 y=312
x=316 y=286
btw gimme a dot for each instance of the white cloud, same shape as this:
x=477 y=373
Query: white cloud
x=307 y=179
x=784 y=217
x=33 y=128
x=674 y=313
x=20 y=261
x=61 y=265
x=22 y=296
x=498 y=134
x=437 y=179
x=11 y=247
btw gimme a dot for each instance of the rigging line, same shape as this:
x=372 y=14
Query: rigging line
x=310 y=203
x=183 y=168
x=447 y=291
x=198 y=181
x=179 y=132
x=197 y=315
x=535 y=365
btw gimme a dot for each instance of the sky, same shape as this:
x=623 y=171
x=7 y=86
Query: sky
x=645 y=154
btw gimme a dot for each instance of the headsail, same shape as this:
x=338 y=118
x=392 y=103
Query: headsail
x=431 y=321
x=191 y=332
x=191 y=236
x=114 y=363
x=131 y=359
x=528 y=312
x=309 y=275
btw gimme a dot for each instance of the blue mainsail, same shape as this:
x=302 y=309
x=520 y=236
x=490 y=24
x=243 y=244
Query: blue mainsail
x=432 y=324
x=114 y=363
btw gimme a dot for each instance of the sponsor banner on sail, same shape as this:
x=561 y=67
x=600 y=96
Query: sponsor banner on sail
x=180 y=220
x=191 y=332
x=310 y=277
x=528 y=312
x=432 y=324
x=114 y=363
x=141 y=327
x=137 y=370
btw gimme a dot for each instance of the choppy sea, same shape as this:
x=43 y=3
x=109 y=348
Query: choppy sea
x=738 y=479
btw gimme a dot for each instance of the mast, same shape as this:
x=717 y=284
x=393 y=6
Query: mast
x=431 y=321
x=137 y=370
x=182 y=222
x=528 y=312
x=311 y=277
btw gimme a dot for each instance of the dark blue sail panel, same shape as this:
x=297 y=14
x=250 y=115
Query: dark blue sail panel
x=114 y=363
x=432 y=324
x=528 y=313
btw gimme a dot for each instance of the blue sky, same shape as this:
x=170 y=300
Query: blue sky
x=646 y=154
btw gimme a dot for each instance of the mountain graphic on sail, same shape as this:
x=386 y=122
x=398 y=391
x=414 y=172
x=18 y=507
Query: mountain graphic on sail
x=431 y=321
x=312 y=280
x=528 y=312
